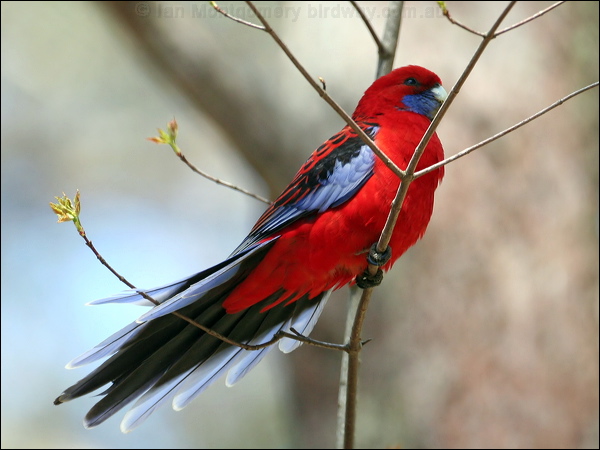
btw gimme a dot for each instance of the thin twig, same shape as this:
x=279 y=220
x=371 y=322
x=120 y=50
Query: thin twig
x=446 y=13
x=169 y=138
x=213 y=333
x=314 y=342
x=381 y=49
x=468 y=150
x=323 y=94
x=222 y=182
x=278 y=336
x=529 y=19
x=236 y=19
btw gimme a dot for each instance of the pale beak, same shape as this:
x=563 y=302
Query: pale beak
x=439 y=93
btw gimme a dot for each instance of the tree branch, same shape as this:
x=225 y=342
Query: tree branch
x=381 y=49
x=390 y=38
x=357 y=303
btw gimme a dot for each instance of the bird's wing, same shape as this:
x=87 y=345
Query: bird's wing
x=331 y=176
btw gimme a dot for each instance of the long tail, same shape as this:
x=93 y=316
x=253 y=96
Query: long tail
x=162 y=358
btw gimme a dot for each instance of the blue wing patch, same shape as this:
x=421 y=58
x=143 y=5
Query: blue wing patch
x=331 y=176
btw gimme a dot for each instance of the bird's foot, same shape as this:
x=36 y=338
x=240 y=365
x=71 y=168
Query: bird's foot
x=377 y=258
x=366 y=280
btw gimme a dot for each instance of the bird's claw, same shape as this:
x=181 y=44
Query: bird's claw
x=366 y=280
x=377 y=258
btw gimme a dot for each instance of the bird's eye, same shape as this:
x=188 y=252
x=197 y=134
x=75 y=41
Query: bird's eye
x=411 y=82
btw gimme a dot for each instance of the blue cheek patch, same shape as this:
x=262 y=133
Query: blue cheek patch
x=424 y=103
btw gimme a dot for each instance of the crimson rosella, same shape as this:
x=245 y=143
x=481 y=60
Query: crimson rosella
x=314 y=238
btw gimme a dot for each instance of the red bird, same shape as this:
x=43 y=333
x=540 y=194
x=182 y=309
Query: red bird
x=313 y=239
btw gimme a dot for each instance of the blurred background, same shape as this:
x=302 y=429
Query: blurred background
x=485 y=335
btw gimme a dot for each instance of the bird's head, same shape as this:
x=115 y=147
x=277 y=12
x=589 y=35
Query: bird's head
x=410 y=88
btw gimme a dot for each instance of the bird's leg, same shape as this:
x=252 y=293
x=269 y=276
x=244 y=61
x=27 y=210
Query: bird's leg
x=366 y=280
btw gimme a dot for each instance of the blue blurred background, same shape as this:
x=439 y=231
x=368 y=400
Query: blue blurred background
x=485 y=334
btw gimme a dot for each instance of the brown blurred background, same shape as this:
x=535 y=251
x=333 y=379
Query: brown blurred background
x=485 y=335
